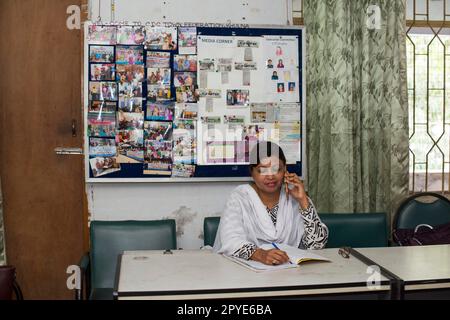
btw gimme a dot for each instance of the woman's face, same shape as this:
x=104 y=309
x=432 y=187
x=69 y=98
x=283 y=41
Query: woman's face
x=268 y=175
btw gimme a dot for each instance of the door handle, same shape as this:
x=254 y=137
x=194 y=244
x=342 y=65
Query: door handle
x=68 y=151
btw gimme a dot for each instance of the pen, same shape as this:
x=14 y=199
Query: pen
x=276 y=247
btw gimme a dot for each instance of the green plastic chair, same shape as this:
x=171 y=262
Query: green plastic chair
x=356 y=230
x=210 y=226
x=108 y=240
x=412 y=212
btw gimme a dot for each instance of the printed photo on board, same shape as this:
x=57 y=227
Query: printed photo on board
x=130 y=73
x=103 y=91
x=237 y=97
x=161 y=38
x=291 y=86
x=207 y=64
x=129 y=55
x=102 y=34
x=274 y=75
x=102 y=147
x=101 y=124
x=186 y=110
x=129 y=104
x=156 y=151
x=182 y=170
x=103 y=72
x=185 y=63
x=184 y=79
x=280 y=63
x=159 y=93
x=158 y=59
x=101 y=54
x=158 y=76
x=187 y=94
x=130 y=89
x=187 y=40
x=130 y=146
x=130 y=121
x=130 y=35
x=102 y=166
x=102 y=106
x=160 y=111
x=158 y=130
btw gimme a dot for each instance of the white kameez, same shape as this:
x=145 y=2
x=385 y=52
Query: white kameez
x=245 y=220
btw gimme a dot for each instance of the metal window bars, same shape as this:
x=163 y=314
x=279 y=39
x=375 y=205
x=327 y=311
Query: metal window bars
x=428 y=91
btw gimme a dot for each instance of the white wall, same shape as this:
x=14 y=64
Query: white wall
x=211 y=11
x=436 y=8
x=187 y=203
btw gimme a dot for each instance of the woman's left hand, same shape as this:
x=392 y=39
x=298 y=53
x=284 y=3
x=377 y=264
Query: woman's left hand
x=298 y=191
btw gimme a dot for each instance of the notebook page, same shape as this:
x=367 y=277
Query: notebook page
x=258 y=266
x=295 y=254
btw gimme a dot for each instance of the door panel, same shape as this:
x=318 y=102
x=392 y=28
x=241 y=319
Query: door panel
x=40 y=94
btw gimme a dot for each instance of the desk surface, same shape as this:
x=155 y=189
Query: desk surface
x=203 y=274
x=420 y=267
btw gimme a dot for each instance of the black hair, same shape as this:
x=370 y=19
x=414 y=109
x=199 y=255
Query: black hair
x=265 y=149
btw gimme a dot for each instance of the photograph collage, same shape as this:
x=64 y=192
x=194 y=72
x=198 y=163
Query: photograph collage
x=144 y=94
x=141 y=80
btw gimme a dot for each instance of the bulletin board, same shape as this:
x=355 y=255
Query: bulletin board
x=177 y=104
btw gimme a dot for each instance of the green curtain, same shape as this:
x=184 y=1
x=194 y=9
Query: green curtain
x=357 y=107
x=2 y=231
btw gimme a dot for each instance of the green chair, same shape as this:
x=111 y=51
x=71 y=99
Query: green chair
x=356 y=230
x=412 y=212
x=349 y=229
x=210 y=226
x=108 y=240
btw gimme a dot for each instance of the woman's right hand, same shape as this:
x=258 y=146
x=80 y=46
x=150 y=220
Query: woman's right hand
x=270 y=257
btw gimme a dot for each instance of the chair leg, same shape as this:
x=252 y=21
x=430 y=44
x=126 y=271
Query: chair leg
x=17 y=290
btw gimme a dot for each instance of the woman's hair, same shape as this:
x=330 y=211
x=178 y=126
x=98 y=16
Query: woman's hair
x=263 y=150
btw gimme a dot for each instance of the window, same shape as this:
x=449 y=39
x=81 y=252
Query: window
x=428 y=63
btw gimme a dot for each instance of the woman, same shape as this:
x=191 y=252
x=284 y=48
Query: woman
x=267 y=211
x=280 y=64
x=274 y=76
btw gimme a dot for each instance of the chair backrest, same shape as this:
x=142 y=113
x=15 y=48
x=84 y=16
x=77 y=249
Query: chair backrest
x=412 y=212
x=111 y=238
x=210 y=226
x=356 y=230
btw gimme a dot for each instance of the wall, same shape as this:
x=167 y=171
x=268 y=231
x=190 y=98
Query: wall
x=436 y=8
x=188 y=203
x=218 y=11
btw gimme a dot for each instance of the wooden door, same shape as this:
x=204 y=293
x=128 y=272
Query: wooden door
x=40 y=94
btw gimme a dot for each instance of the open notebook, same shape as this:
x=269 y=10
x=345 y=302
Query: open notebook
x=296 y=256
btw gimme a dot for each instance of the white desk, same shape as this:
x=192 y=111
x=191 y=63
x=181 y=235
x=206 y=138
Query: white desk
x=420 y=267
x=201 y=274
